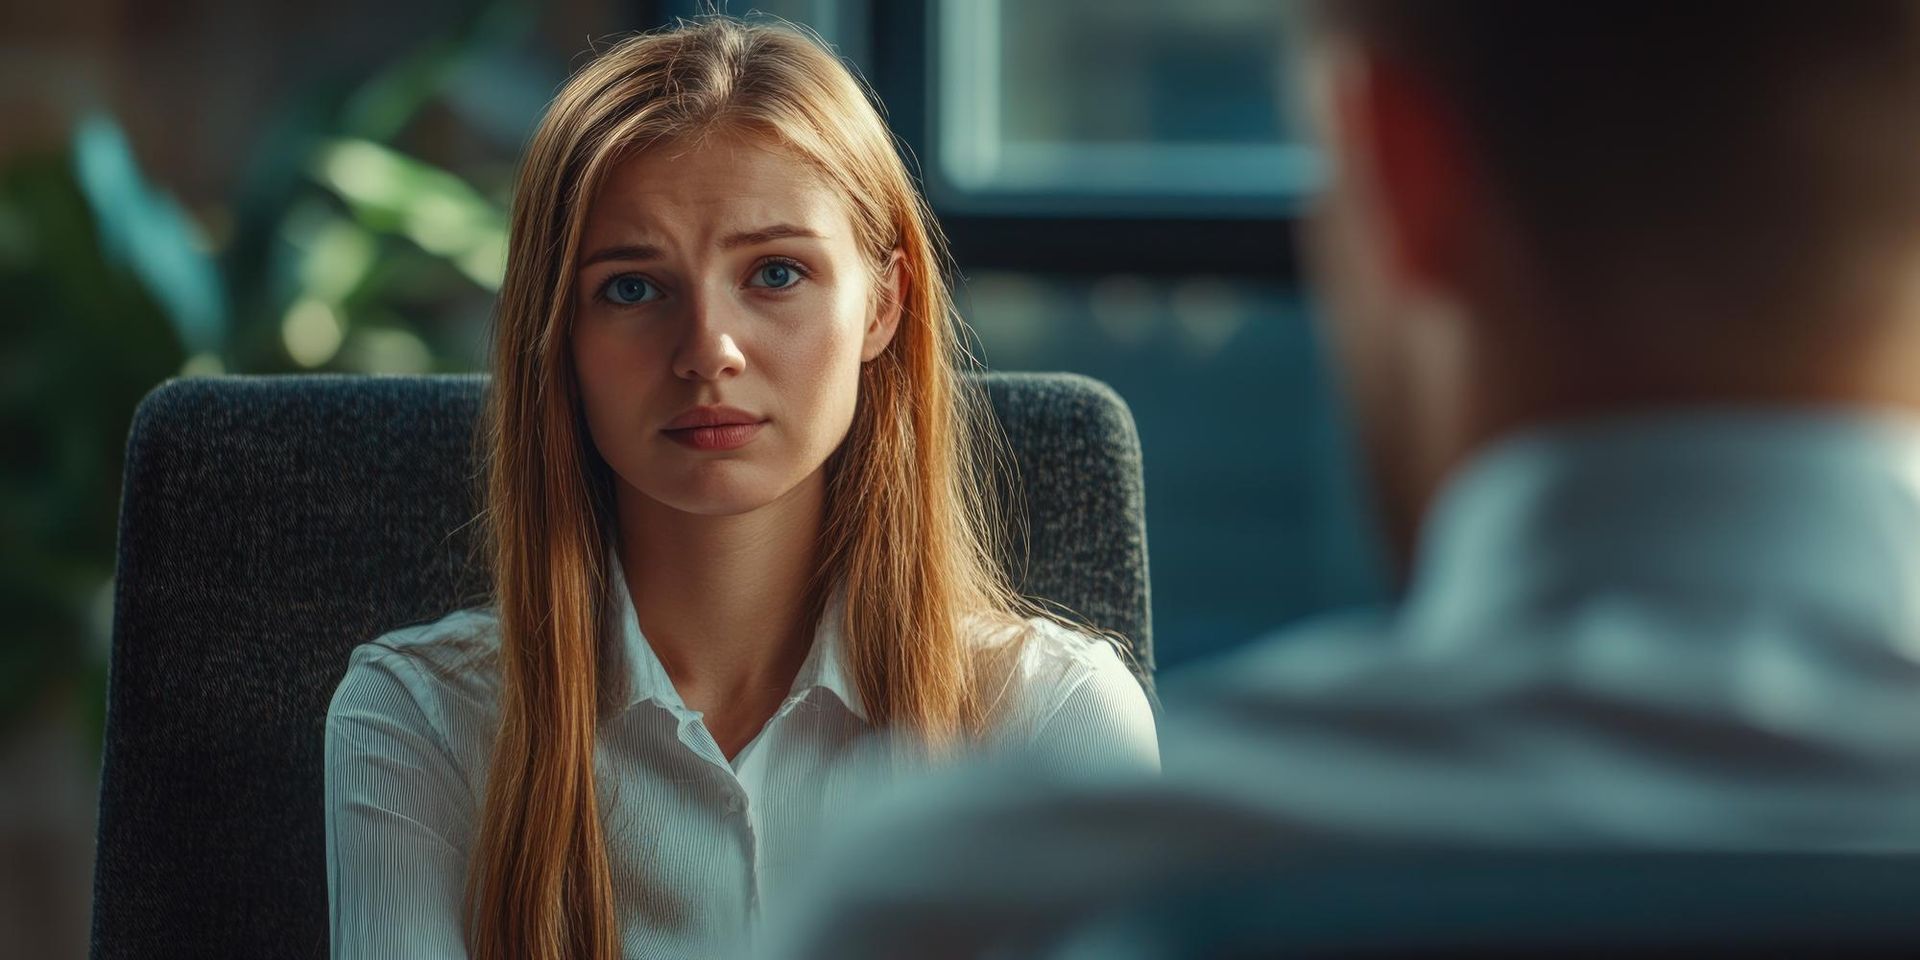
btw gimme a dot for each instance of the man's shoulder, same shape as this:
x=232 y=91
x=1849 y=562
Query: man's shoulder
x=1014 y=850
x=1263 y=754
x=1326 y=657
x=1009 y=850
x=1015 y=803
x=997 y=854
x=1347 y=733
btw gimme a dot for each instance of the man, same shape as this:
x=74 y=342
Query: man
x=1627 y=296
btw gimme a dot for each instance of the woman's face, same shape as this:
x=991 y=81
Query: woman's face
x=723 y=310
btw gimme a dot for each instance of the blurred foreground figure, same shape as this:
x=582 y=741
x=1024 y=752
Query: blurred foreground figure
x=1627 y=297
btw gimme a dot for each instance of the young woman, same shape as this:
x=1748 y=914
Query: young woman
x=737 y=529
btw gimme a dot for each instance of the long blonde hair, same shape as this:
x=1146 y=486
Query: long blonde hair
x=910 y=517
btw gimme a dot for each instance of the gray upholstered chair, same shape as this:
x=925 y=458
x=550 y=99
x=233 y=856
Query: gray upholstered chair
x=268 y=525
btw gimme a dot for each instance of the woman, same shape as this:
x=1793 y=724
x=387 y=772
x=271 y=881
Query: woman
x=737 y=532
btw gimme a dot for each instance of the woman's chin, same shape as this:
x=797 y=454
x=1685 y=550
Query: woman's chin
x=719 y=506
x=730 y=490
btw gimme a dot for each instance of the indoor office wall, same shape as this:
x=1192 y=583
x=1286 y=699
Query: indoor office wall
x=237 y=186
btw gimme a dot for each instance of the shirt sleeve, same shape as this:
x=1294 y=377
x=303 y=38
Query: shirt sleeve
x=1104 y=722
x=399 y=822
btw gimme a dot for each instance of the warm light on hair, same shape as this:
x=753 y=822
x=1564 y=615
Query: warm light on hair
x=910 y=512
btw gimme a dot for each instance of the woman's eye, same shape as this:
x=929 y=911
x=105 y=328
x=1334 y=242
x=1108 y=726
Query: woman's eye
x=628 y=289
x=776 y=275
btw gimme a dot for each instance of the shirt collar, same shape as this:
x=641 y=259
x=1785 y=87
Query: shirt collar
x=826 y=665
x=1818 y=511
x=824 y=668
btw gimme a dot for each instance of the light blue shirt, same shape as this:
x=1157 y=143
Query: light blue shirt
x=1700 y=631
x=698 y=843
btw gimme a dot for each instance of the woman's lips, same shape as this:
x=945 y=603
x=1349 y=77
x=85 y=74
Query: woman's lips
x=729 y=436
x=713 y=429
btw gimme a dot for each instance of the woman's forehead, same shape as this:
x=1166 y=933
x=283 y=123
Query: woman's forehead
x=717 y=186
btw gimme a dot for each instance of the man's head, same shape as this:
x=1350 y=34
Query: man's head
x=1547 y=210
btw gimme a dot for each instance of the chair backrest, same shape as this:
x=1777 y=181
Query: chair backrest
x=270 y=524
x=1523 y=904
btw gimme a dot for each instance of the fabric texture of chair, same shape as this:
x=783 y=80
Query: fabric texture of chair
x=270 y=524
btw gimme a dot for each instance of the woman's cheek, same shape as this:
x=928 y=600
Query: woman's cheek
x=612 y=385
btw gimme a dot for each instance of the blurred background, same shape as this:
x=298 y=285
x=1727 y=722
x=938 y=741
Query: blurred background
x=196 y=187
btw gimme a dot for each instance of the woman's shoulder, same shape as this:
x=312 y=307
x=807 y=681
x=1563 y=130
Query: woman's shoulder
x=1059 y=675
x=439 y=665
x=1054 y=652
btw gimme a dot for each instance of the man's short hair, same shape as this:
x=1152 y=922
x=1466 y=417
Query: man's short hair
x=1758 y=144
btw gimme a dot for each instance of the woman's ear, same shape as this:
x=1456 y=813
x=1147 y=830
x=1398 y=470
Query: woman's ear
x=890 y=295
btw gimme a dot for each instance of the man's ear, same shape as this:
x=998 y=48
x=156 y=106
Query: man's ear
x=890 y=297
x=1399 y=134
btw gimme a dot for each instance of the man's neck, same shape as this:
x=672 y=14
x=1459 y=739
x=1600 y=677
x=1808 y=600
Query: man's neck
x=1511 y=381
x=1524 y=395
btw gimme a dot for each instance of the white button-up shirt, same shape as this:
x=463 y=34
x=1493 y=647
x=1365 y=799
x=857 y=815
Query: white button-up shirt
x=1695 y=632
x=696 y=841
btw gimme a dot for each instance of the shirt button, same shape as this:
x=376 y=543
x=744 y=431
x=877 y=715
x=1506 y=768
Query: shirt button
x=733 y=804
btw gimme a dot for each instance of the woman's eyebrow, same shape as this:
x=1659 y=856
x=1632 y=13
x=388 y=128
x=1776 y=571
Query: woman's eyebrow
x=643 y=251
x=732 y=241
x=779 y=231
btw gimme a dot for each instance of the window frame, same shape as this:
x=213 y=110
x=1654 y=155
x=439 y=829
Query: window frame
x=1148 y=235
x=1145 y=234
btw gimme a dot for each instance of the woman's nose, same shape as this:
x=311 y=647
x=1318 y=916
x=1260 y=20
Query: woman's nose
x=709 y=351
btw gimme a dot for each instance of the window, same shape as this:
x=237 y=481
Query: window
x=1115 y=106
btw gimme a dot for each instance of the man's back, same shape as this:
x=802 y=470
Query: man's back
x=1690 y=633
x=1623 y=299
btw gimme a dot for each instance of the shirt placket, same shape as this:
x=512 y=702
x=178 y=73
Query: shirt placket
x=736 y=803
x=772 y=740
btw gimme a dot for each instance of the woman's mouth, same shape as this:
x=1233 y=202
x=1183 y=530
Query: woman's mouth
x=714 y=428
